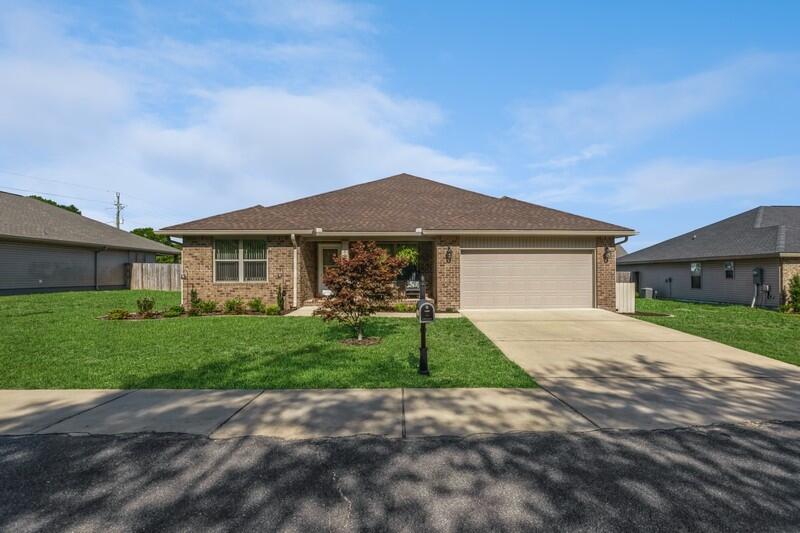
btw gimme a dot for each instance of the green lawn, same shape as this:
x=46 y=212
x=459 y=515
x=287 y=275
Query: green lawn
x=55 y=341
x=761 y=331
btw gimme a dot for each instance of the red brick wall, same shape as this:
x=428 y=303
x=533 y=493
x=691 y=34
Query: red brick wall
x=448 y=275
x=198 y=270
x=606 y=274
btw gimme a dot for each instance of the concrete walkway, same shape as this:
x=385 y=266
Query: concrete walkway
x=288 y=414
x=620 y=372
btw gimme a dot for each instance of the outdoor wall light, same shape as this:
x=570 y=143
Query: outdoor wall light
x=606 y=254
x=448 y=255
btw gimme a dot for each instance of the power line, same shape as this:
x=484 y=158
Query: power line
x=64 y=182
x=54 y=194
x=20 y=174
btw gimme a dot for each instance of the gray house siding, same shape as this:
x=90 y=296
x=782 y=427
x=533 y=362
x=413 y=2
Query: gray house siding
x=32 y=267
x=715 y=287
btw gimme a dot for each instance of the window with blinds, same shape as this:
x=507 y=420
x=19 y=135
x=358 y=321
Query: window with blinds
x=240 y=260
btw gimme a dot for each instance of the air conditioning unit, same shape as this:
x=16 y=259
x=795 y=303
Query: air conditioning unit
x=646 y=292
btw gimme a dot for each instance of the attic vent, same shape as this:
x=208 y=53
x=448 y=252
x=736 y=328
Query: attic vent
x=694 y=237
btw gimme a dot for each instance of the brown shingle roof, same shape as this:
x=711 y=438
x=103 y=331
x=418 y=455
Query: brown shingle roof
x=400 y=203
x=32 y=220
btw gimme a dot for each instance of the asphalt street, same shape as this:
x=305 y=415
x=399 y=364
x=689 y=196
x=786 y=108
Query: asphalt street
x=721 y=478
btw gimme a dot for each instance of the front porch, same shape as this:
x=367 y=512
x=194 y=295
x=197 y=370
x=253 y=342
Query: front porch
x=319 y=254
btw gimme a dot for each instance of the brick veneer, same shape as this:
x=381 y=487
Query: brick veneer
x=198 y=269
x=448 y=275
x=790 y=267
x=606 y=274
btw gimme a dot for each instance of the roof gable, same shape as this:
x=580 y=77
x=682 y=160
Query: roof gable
x=400 y=203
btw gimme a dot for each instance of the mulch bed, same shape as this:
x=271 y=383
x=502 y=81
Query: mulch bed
x=366 y=341
x=647 y=313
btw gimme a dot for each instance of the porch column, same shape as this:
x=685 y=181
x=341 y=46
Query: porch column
x=448 y=273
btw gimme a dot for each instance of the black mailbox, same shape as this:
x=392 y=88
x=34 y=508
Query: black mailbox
x=425 y=313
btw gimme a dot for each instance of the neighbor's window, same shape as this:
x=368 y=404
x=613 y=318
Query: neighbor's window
x=728 y=269
x=240 y=260
x=697 y=275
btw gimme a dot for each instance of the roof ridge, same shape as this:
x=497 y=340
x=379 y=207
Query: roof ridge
x=215 y=216
x=372 y=182
x=539 y=206
x=759 y=217
x=781 y=238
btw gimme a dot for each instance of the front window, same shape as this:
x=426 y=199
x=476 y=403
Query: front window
x=728 y=269
x=240 y=260
x=697 y=275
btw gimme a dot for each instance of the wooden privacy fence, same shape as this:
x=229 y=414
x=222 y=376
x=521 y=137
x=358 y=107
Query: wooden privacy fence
x=626 y=293
x=156 y=276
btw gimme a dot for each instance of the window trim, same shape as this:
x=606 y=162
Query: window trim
x=240 y=261
x=699 y=276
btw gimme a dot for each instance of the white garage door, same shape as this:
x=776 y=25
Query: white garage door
x=526 y=279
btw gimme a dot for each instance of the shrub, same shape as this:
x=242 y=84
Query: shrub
x=280 y=296
x=175 y=310
x=234 y=306
x=361 y=284
x=194 y=300
x=793 y=294
x=206 y=306
x=272 y=309
x=256 y=305
x=193 y=311
x=118 y=314
x=402 y=307
x=145 y=305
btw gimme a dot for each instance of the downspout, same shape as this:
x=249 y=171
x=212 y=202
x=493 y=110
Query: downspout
x=623 y=241
x=294 y=271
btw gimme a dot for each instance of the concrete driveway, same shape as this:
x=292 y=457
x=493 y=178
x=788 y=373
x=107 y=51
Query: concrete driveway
x=619 y=372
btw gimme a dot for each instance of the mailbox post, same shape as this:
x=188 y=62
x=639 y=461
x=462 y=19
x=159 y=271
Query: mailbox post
x=426 y=315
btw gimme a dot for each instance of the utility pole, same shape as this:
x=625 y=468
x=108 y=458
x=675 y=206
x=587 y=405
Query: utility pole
x=119 y=207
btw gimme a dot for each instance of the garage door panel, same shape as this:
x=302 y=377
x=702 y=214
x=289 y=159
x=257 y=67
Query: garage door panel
x=526 y=279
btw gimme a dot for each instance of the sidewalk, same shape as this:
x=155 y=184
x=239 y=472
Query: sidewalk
x=287 y=414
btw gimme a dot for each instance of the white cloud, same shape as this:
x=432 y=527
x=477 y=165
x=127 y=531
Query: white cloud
x=79 y=114
x=668 y=183
x=311 y=15
x=673 y=182
x=615 y=115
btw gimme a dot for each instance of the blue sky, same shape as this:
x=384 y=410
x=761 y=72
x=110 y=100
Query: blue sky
x=661 y=118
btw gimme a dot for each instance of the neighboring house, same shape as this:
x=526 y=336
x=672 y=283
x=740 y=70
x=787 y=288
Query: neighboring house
x=716 y=263
x=475 y=251
x=47 y=248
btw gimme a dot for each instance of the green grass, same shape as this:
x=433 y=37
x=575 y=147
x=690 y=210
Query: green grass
x=55 y=341
x=761 y=331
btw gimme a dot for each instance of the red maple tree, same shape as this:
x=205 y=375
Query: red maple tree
x=360 y=284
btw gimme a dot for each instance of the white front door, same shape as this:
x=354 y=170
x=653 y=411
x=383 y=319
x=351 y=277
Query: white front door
x=325 y=255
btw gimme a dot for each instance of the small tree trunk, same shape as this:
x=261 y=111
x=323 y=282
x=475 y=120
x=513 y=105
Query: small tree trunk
x=360 y=330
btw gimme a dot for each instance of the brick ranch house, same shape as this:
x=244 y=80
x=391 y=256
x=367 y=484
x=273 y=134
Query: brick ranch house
x=475 y=251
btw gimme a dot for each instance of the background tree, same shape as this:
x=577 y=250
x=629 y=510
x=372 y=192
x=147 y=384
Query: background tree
x=360 y=285
x=148 y=233
x=69 y=207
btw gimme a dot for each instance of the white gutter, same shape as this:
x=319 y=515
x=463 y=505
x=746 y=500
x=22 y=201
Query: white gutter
x=577 y=233
x=417 y=232
x=179 y=232
x=294 y=271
